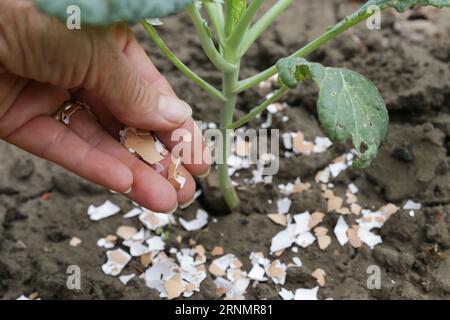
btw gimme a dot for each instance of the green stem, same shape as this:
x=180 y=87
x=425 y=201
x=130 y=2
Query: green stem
x=254 y=112
x=215 y=14
x=265 y=22
x=306 y=50
x=226 y=118
x=207 y=44
x=180 y=65
x=244 y=23
x=229 y=82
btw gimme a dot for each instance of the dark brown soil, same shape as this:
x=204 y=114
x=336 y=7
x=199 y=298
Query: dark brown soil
x=413 y=75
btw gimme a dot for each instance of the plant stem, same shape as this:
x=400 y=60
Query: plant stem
x=265 y=22
x=207 y=43
x=215 y=14
x=306 y=50
x=180 y=65
x=230 y=80
x=244 y=23
x=254 y=112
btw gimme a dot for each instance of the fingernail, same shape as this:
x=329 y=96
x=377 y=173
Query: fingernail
x=188 y=203
x=174 y=110
x=128 y=191
x=173 y=210
x=205 y=174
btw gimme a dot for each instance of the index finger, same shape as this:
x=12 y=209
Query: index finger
x=198 y=160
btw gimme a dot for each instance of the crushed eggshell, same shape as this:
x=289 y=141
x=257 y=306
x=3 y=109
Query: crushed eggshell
x=321 y=144
x=302 y=221
x=146 y=259
x=277 y=272
x=106 y=210
x=154 y=220
x=351 y=198
x=257 y=273
x=198 y=223
x=297 y=261
x=287 y=140
x=334 y=203
x=301 y=187
x=126 y=232
x=219 y=266
x=278 y=218
x=174 y=287
x=319 y=274
x=284 y=205
x=323 y=176
x=411 y=205
x=389 y=209
x=340 y=230
x=132 y=213
x=142 y=143
x=107 y=242
x=316 y=218
x=343 y=211
x=305 y=239
x=337 y=168
x=323 y=239
x=306 y=294
x=300 y=146
x=126 y=278
x=353 y=188
x=286 y=294
x=369 y=238
x=217 y=251
x=355 y=208
x=75 y=242
x=174 y=176
x=353 y=237
x=155 y=243
x=117 y=260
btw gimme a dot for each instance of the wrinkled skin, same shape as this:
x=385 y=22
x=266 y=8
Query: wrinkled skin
x=43 y=64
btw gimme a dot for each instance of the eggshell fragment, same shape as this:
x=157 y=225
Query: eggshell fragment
x=319 y=274
x=143 y=144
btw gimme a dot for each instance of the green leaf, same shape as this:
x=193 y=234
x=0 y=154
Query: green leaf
x=349 y=105
x=235 y=10
x=106 y=12
x=239 y=7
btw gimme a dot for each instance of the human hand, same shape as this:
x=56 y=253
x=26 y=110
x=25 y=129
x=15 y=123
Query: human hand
x=43 y=64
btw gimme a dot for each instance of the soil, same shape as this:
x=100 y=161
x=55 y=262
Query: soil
x=412 y=71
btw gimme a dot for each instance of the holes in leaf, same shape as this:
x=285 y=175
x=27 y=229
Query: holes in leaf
x=363 y=147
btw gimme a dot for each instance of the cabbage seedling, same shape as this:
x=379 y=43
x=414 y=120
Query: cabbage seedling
x=349 y=106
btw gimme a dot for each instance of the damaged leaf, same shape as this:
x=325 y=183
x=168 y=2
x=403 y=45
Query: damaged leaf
x=349 y=105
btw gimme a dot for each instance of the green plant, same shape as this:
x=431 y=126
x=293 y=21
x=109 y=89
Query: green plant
x=349 y=105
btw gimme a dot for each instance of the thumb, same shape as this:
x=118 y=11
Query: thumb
x=132 y=99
